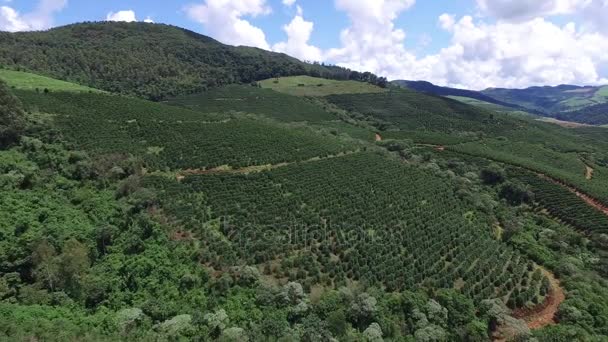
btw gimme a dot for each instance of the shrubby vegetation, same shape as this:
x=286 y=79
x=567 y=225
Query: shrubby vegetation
x=578 y=259
x=12 y=120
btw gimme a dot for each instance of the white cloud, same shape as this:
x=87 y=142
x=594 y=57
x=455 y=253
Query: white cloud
x=372 y=42
x=289 y=3
x=595 y=15
x=126 y=15
x=447 y=21
x=508 y=53
x=224 y=20
x=39 y=19
x=520 y=54
x=298 y=34
x=518 y=10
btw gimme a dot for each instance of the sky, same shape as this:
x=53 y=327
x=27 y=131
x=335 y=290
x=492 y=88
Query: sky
x=473 y=44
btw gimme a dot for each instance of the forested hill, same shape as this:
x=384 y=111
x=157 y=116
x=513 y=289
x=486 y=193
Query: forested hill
x=551 y=100
x=150 y=60
x=427 y=87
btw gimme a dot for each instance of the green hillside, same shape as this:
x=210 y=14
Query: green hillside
x=150 y=60
x=406 y=110
x=315 y=86
x=594 y=114
x=551 y=100
x=280 y=211
x=249 y=99
x=172 y=138
x=29 y=81
x=485 y=105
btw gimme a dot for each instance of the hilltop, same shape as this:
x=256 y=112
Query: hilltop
x=150 y=60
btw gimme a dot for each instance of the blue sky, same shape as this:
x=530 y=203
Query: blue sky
x=465 y=43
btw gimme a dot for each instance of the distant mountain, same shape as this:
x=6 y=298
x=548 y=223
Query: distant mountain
x=566 y=102
x=551 y=100
x=594 y=115
x=430 y=88
x=151 y=60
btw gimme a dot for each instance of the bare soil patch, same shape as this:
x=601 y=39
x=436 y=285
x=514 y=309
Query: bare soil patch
x=566 y=124
x=544 y=314
x=589 y=172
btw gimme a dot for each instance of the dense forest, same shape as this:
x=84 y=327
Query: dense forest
x=152 y=60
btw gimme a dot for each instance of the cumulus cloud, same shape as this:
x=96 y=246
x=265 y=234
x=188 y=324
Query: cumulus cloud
x=224 y=20
x=289 y=3
x=298 y=34
x=372 y=42
x=518 y=54
x=127 y=15
x=39 y=19
x=512 y=52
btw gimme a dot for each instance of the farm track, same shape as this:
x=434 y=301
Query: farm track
x=255 y=168
x=544 y=314
x=593 y=202
x=586 y=198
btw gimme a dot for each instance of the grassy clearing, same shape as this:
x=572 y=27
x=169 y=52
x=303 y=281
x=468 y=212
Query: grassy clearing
x=314 y=86
x=567 y=124
x=602 y=92
x=29 y=81
x=482 y=104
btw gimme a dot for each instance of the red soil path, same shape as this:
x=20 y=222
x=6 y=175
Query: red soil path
x=544 y=314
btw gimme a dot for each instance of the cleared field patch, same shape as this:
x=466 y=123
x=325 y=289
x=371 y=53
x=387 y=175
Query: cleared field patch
x=602 y=92
x=483 y=104
x=566 y=124
x=314 y=86
x=29 y=81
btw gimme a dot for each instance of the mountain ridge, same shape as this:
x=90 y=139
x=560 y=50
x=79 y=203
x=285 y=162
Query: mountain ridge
x=151 y=60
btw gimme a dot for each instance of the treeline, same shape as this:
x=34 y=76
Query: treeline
x=152 y=60
x=12 y=120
